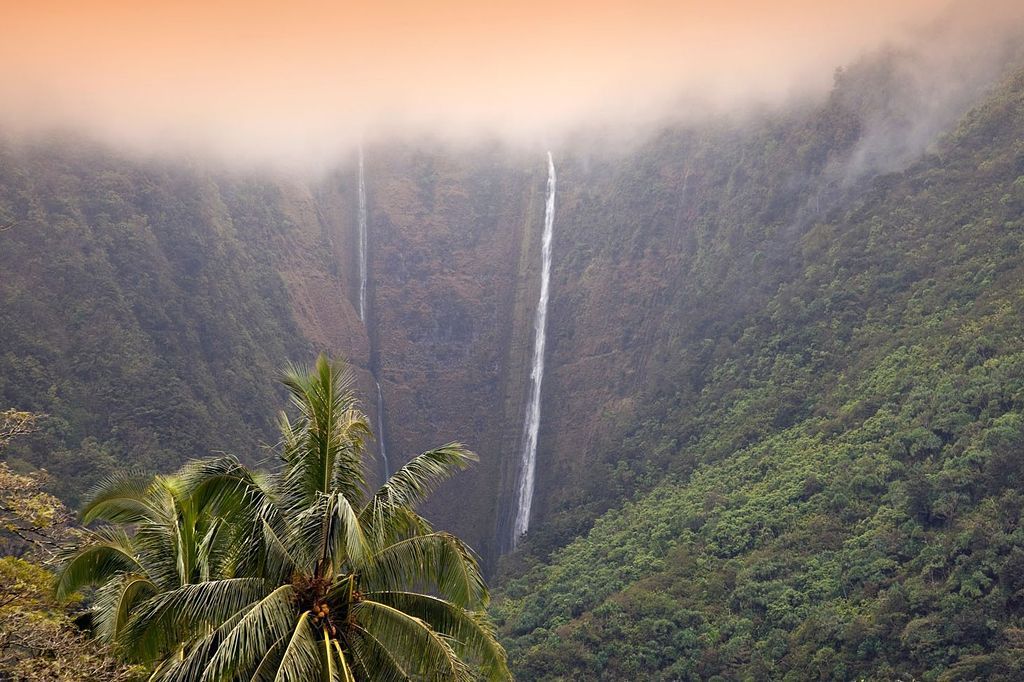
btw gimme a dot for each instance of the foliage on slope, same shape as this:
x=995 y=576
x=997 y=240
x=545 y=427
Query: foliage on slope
x=139 y=308
x=39 y=639
x=664 y=256
x=843 y=498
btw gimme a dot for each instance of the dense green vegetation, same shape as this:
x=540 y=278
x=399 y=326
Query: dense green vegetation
x=827 y=480
x=783 y=417
x=127 y=302
x=39 y=640
x=223 y=573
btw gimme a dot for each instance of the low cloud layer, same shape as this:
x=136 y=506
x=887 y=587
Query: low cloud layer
x=299 y=82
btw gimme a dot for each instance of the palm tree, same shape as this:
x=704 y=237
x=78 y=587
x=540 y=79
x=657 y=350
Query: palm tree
x=309 y=575
x=173 y=542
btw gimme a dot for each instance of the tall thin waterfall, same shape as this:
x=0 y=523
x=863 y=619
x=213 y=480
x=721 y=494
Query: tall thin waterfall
x=524 y=498
x=381 y=435
x=362 y=239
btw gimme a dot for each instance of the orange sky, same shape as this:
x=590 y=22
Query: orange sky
x=252 y=78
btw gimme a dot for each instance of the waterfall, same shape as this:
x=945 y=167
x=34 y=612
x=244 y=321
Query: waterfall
x=531 y=428
x=362 y=239
x=381 y=435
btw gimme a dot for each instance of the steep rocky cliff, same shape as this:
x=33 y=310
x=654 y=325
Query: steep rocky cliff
x=450 y=243
x=821 y=469
x=141 y=307
x=146 y=305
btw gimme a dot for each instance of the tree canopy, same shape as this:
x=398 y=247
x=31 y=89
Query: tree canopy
x=220 y=572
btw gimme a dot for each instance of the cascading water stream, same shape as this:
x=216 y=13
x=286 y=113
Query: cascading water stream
x=362 y=239
x=381 y=435
x=524 y=496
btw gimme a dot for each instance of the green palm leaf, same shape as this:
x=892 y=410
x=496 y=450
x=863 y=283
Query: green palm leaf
x=422 y=650
x=329 y=461
x=115 y=602
x=256 y=633
x=108 y=552
x=373 y=659
x=223 y=484
x=187 y=614
x=121 y=498
x=301 y=660
x=470 y=632
x=438 y=561
x=218 y=573
x=271 y=661
x=189 y=667
x=343 y=537
x=387 y=511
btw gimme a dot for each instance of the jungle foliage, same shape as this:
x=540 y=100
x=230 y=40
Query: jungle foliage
x=220 y=572
x=126 y=300
x=39 y=640
x=827 y=479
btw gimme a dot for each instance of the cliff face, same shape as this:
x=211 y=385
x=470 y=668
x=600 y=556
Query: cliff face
x=654 y=252
x=179 y=291
x=142 y=309
x=662 y=256
x=147 y=307
x=449 y=243
x=825 y=478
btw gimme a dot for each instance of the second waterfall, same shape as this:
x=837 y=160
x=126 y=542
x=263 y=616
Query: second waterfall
x=362 y=239
x=531 y=428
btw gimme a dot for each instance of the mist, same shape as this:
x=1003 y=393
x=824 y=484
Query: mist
x=295 y=87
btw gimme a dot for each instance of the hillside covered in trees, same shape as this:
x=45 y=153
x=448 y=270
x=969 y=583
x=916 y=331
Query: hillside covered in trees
x=829 y=485
x=782 y=413
x=126 y=311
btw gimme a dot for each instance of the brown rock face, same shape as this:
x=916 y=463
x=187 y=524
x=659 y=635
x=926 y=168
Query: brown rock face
x=454 y=270
x=649 y=248
x=454 y=277
x=448 y=241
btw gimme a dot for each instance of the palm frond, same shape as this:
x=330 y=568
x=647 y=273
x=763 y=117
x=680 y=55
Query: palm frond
x=470 y=632
x=213 y=550
x=301 y=660
x=438 y=562
x=423 y=651
x=225 y=488
x=156 y=545
x=271 y=661
x=329 y=459
x=241 y=652
x=328 y=533
x=189 y=665
x=121 y=498
x=107 y=554
x=186 y=614
x=222 y=484
x=344 y=541
x=257 y=530
x=354 y=433
x=210 y=572
x=373 y=659
x=344 y=672
x=413 y=483
x=116 y=601
x=274 y=561
x=304 y=540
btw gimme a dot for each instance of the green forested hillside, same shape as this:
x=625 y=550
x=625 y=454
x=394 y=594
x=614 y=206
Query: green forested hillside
x=665 y=257
x=782 y=429
x=139 y=309
x=829 y=486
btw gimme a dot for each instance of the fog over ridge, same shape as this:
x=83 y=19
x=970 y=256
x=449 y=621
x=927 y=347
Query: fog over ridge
x=257 y=83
